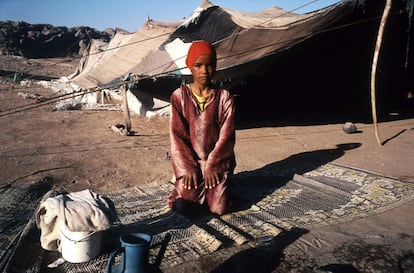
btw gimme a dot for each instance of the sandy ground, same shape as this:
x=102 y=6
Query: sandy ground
x=78 y=150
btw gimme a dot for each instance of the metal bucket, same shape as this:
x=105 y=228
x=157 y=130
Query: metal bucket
x=80 y=246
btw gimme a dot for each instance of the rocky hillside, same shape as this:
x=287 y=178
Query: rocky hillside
x=46 y=41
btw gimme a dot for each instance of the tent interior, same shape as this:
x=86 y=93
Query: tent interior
x=281 y=66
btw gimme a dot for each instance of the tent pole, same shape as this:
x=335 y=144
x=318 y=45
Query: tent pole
x=384 y=18
x=125 y=110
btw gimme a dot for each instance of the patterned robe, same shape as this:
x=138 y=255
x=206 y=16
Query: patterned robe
x=202 y=140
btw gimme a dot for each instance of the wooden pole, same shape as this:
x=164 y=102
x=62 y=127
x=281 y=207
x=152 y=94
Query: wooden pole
x=378 y=44
x=125 y=111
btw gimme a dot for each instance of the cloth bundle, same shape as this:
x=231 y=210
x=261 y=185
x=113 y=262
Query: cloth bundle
x=79 y=212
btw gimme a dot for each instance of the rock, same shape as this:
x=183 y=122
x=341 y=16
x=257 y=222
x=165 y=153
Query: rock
x=349 y=128
x=46 y=41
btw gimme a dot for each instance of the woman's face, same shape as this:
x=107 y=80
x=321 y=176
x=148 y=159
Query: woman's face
x=203 y=69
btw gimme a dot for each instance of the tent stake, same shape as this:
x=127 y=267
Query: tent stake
x=374 y=67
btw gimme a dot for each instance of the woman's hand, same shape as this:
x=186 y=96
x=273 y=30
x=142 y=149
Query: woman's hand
x=211 y=179
x=190 y=180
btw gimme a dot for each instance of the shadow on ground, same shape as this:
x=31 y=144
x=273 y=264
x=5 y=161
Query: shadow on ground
x=24 y=76
x=277 y=174
x=263 y=258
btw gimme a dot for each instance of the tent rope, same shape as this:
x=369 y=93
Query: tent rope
x=165 y=34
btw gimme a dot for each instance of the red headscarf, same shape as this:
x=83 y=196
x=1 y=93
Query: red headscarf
x=197 y=49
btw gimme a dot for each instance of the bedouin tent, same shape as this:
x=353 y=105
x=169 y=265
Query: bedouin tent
x=325 y=53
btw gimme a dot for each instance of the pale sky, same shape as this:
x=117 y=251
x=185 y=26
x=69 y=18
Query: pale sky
x=130 y=15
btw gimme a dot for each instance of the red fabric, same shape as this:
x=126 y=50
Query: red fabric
x=202 y=140
x=217 y=199
x=197 y=49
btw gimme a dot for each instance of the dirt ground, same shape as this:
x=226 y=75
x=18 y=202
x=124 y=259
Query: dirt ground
x=79 y=150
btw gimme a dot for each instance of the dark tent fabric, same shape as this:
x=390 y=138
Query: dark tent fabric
x=276 y=59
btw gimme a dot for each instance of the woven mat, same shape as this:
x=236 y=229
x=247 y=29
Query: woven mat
x=265 y=205
x=328 y=195
x=17 y=205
